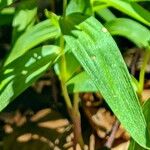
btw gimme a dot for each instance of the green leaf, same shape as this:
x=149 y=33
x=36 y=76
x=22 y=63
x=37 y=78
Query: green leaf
x=129 y=9
x=81 y=83
x=141 y=11
x=39 y=33
x=146 y=110
x=136 y=0
x=23 y=71
x=72 y=65
x=100 y=57
x=6 y=16
x=25 y=16
x=4 y=3
x=67 y=23
x=106 y=14
x=130 y=29
x=79 y=6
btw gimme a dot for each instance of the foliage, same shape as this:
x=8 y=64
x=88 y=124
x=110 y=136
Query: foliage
x=82 y=34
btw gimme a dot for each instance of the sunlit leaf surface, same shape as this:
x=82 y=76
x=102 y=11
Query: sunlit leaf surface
x=22 y=72
x=39 y=33
x=98 y=54
x=134 y=31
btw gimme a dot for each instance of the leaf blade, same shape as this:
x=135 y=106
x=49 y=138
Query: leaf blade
x=132 y=30
x=22 y=72
x=41 y=32
x=96 y=51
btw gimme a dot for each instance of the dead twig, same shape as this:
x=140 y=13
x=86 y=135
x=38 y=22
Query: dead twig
x=111 y=138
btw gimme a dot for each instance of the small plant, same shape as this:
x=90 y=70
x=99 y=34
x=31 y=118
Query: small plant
x=78 y=45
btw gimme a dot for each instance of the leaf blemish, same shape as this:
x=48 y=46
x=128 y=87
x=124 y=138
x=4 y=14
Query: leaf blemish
x=35 y=55
x=39 y=57
x=24 y=72
x=104 y=29
x=93 y=57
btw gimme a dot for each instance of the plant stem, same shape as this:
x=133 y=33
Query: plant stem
x=76 y=102
x=142 y=71
x=72 y=110
x=63 y=76
x=64 y=7
x=77 y=121
x=111 y=139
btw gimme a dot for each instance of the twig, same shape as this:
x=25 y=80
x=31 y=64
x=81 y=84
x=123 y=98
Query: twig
x=111 y=138
x=134 y=62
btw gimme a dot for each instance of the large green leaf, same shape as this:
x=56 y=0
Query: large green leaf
x=22 y=72
x=43 y=31
x=98 y=54
x=146 y=111
x=134 y=31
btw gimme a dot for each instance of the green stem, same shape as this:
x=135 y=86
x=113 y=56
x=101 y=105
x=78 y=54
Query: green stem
x=73 y=111
x=64 y=7
x=76 y=102
x=63 y=75
x=142 y=71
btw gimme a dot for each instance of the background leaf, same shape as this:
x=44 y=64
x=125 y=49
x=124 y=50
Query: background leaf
x=98 y=54
x=130 y=29
x=133 y=10
x=81 y=83
x=79 y=6
x=22 y=72
x=6 y=16
x=25 y=16
x=4 y=3
x=41 y=32
x=106 y=14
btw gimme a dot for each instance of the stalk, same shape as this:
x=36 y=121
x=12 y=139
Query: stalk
x=63 y=76
x=142 y=71
x=73 y=110
x=77 y=121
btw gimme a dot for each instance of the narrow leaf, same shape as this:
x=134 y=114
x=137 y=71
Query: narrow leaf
x=106 y=14
x=129 y=9
x=23 y=71
x=98 y=54
x=25 y=16
x=146 y=110
x=134 y=31
x=41 y=32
